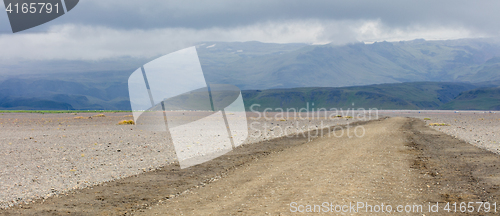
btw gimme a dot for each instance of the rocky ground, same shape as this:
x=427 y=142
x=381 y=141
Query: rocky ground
x=49 y=154
x=47 y=157
x=479 y=128
x=399 y=162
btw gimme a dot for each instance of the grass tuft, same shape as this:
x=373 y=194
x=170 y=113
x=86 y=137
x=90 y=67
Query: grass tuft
x=126 y=122
x=81 y=117
x=427 y=118
x=99 y=115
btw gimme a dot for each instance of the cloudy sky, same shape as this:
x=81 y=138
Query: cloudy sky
x=101 y=30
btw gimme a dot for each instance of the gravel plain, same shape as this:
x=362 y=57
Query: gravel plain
x=398 y=161
x=479 y=128
x=45 y=155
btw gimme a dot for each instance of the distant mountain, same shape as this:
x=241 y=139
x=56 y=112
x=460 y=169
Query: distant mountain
x=9 y=103
x=354 y=64
x=94 y=91
x=441 y=70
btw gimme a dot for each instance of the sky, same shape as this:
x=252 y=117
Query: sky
x=97 y=30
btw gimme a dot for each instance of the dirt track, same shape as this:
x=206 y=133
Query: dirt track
x=392 y=164
x=399 y=161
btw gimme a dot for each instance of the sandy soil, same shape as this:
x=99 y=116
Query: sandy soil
x=398 y=161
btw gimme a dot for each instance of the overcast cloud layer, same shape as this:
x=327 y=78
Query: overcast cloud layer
x=97 y=30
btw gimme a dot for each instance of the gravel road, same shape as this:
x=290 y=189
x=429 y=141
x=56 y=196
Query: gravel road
x=399 y=162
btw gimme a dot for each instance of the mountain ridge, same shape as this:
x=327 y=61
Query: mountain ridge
x=255 y=65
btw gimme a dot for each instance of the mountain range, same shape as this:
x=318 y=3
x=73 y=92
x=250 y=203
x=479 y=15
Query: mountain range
x=357 y=64
x=418 y=74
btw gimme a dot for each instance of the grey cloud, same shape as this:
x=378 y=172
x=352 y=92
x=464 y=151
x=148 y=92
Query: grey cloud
x=97 y=29
x=136 y=14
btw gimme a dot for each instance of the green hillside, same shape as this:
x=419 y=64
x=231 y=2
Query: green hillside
x=477 y=99
x=417 y=95
x=420 y=95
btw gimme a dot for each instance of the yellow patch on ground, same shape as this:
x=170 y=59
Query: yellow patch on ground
x=126 y=122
